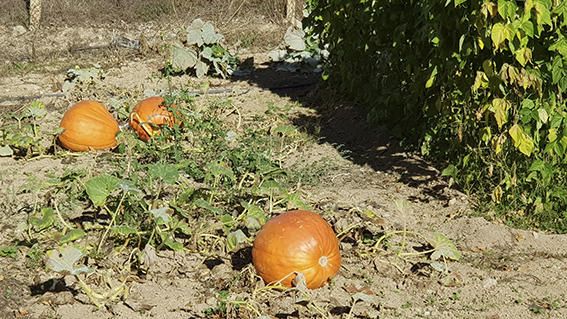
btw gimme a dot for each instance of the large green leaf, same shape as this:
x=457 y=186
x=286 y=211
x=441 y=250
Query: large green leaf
x=98 y=188
x=521 y=140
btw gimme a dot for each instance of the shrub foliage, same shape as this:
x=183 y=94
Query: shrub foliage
x=478 y=84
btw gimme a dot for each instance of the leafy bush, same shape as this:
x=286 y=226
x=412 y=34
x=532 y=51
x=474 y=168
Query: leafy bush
x=478 y=84
x=202 y=49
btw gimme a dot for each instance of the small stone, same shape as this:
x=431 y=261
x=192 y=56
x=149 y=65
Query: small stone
x=18 y=30
x=489 y=283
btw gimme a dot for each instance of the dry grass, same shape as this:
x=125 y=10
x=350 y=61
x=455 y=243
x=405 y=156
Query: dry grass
x=96 y=12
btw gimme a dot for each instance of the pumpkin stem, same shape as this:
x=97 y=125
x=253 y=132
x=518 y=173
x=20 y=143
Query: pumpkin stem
x=323 y=261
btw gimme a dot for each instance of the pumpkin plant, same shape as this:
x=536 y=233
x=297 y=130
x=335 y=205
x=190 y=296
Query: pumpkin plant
x=148 y=115
x=296 y=245
x=88 y=125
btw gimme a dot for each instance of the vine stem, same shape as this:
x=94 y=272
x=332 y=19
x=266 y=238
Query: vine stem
x=105 y=234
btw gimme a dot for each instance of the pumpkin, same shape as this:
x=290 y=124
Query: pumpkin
x=148 y=115
x=296 y=242
x=88 y=125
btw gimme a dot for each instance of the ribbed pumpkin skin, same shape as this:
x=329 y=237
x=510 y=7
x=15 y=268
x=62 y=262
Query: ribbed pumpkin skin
x=148 y=114
x=295 y=241
x=88 y=126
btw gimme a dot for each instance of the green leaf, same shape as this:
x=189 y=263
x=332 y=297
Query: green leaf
x=285 y=130
x=36 y=110
x=255 y=216
x=124 y=230
x=63 y=260
x=9 y=251
x=173 y=245
x=480 y=81
x=294 y=201
x=168 y=173
x=220 y=169
x=507 y=9
x=459 y=2
x=500 y=109
x=46 y=220
x=543 y=15
x=521 y=140
x=557 y=70
x=528 y=27
x=560 y=46
x=431 y=79
x=451 y=171
x=444 y=247
x=201 y=203
x=498 y=35
x=182 y=58
x=523 y=55
x=98 y=188
x=72 y=235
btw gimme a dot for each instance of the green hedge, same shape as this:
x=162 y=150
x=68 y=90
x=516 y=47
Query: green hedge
x=478 y=84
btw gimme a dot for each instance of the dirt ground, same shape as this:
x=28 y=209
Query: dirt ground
x=503 y=272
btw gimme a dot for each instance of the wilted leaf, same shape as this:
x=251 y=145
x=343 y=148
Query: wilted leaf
x=234 y=239
x=6 y=151
x=100 y=187
x=438 y=266
x=63 y=260
x=161 y=214
x=524 y=55
x=444 y=247
x=194 y=32
x=294 y=39
x=277 y=55
x=36 y=110
x=209 y=35
x=255 y=217
x=201 y=69
x=207 y=53
x=182 y=58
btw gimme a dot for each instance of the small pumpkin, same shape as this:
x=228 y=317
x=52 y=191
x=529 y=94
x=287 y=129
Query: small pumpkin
x=88 y=125
x=296 y=242
x=148 y=115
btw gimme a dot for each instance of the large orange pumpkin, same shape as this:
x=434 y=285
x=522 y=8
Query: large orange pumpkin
x=148 y=115
x=88 y=125
x=296 y=242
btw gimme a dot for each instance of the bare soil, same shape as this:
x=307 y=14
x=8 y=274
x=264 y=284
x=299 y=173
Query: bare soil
x=503 y=273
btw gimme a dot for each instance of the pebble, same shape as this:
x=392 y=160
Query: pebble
x=18 y=30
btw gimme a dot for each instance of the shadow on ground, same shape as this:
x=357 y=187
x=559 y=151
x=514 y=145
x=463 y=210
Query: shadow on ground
x=343 y=125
